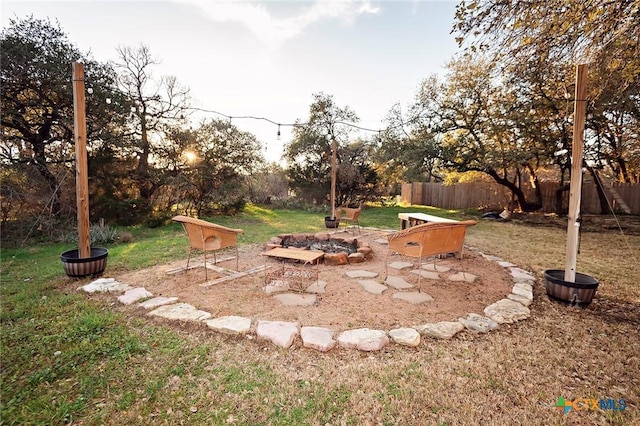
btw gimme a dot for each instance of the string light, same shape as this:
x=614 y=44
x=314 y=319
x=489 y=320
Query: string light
x=251 y=117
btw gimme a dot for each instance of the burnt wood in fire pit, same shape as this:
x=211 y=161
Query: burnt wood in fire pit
x=339 y=250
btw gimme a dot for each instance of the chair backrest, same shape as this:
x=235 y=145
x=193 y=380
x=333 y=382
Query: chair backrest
x=205 y=235
x=430 y=239
x=349 y=213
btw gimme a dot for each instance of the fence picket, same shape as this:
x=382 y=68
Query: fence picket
x=492 y=195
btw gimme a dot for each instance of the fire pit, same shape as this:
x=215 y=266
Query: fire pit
x=338 y=250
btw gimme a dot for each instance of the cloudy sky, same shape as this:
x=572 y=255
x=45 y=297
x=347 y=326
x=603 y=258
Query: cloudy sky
x=267 y=58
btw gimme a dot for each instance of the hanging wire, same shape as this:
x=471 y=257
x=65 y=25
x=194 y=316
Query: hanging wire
x=624 y=236
x=253 y=117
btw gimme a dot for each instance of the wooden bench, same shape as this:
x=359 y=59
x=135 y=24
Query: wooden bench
x=408 y=220
x=207 y=236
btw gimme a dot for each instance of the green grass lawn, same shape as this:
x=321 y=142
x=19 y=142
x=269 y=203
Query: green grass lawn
x=72 y=358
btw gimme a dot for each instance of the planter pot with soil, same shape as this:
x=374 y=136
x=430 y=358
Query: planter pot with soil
x=580 y=292
x=330 y=222
x=77 y=267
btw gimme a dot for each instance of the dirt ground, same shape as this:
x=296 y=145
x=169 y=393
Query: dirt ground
x=345 y=304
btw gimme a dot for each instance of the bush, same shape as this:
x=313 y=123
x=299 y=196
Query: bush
x=121 y=212
x=157 y=220
x=98 y=234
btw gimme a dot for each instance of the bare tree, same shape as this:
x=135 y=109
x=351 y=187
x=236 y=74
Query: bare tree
x=155 y=104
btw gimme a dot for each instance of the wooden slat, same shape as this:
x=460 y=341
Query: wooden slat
x=235 y=276
x=307 y=256
x=200 y=264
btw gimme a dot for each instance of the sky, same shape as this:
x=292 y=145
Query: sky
x=267 y=58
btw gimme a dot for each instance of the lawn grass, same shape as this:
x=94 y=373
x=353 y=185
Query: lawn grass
x=72 y=358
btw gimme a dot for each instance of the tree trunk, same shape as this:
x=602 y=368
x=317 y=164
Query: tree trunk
x=560 y=198
x=602 y=197
x=39 y=159
x=525 y=205
x=145 y=186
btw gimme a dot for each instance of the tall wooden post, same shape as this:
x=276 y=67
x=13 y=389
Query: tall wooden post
x=573 y=227
x=334 y=173
x=82 y=180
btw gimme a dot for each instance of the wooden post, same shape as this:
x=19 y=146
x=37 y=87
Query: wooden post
x=334 y=173
x=82 y=180
x=573 y=227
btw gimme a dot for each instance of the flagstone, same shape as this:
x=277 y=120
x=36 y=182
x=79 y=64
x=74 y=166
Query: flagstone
x=430 y=275
x=318 y=287
x=520 y=299
x=507 y=311
x=230 y=324
x=363 y=339
x=400 y=265
x=463 y=276
x=134 y=295
x=405 y=336
x=398 y=283
x=435 y=268
x=521 y=273
x=372 y=286
x=523 y=290
x=105 y=285
x=440 y=330
x=360 y=273
x=180 y=311
x=280 y=333
x=414 y=297
x=158 y=301
x=276 y=286
x=296 y=299
x=319 y=338
x=478 y=323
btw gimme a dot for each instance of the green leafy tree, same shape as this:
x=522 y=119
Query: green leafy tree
x=479 y=127
x=357 y=178
x=408 y=151
x=37 y=109
x=603 y=34
x=309 y=155
x=268 y=183
x=208 y=169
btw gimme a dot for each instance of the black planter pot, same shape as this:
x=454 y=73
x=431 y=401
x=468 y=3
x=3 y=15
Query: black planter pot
x=580 y=292
x=93 y=265
x=330 y=222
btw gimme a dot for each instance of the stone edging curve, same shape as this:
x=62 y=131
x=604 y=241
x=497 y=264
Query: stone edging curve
x=511 y=309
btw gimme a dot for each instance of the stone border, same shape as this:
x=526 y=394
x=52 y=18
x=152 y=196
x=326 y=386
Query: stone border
x=511 y=309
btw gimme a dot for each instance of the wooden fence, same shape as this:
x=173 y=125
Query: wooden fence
x=494 y=196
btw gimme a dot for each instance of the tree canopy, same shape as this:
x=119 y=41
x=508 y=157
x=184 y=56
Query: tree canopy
x=37 y=107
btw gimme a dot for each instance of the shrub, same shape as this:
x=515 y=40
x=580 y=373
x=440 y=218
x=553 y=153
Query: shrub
x=98 y=234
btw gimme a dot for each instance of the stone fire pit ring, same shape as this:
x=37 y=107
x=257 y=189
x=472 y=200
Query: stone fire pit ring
x=338 y=250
